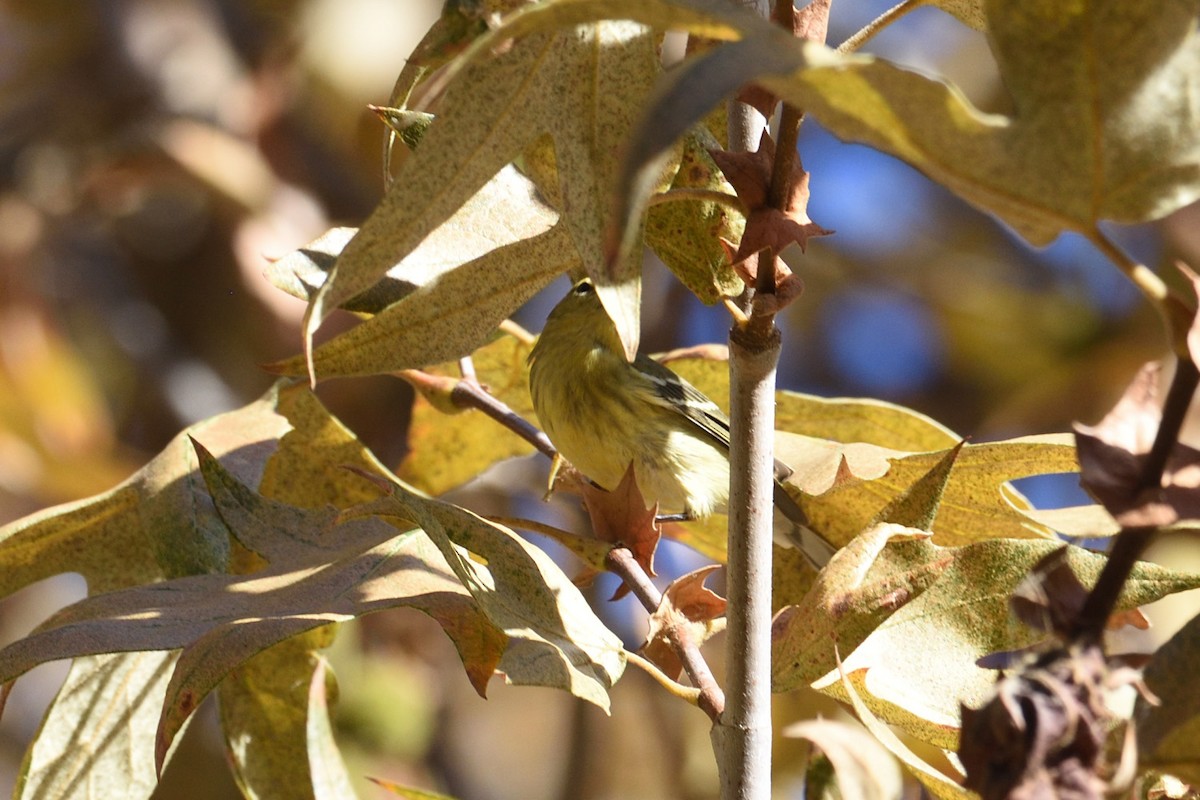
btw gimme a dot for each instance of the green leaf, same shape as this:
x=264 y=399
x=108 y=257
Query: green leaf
x=686 y=233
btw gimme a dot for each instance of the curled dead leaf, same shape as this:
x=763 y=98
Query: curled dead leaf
x=688 y=612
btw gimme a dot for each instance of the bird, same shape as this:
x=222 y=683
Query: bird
x=604 y=413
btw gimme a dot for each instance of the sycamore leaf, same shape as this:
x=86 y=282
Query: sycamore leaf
x=555 y=639
x=929 y=614
x=688 y=605
x=494 y=108
x=446 y=451
x=446 y=297
x=1101 y=91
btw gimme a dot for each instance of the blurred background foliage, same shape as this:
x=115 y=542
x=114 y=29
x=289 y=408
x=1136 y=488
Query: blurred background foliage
x=154 y=154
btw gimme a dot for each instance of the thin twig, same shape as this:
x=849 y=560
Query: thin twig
x=1177 y=314
x=710 y=699
x=876 y=25
x=467 y=394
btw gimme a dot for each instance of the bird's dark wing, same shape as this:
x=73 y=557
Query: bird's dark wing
x=664 y=388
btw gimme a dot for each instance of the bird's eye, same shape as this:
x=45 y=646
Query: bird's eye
x=584 y=287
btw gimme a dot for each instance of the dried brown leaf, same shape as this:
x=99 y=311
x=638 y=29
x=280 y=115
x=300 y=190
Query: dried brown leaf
x=1112 y=457
x=768 y=227
x=688 y=612
x=621 y=517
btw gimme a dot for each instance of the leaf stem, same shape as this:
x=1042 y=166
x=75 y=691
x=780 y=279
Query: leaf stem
x=469 y=394
x=1176 y=313
x=731 y=201
x=688 y=693
x=873 y=27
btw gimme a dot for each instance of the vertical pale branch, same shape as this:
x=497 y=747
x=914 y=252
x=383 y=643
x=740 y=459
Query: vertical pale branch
x=742 y=737
x=744 y=734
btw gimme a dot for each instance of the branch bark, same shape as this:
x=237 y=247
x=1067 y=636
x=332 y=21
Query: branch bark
x=742 y=736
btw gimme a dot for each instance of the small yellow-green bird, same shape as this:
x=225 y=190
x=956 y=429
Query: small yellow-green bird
x=603 y=413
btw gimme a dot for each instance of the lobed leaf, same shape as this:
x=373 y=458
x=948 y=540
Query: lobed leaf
x=554 y=637
x=449 y=295
x=1101 y=93
x=929 y=613
x=581 y=87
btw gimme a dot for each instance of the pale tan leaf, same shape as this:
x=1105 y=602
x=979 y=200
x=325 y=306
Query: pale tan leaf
x=496 y=107
x=555 y=639
x=916 y=666
x=937 y=783
x=330 y=779
x=99 y=731
x=862 y=766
